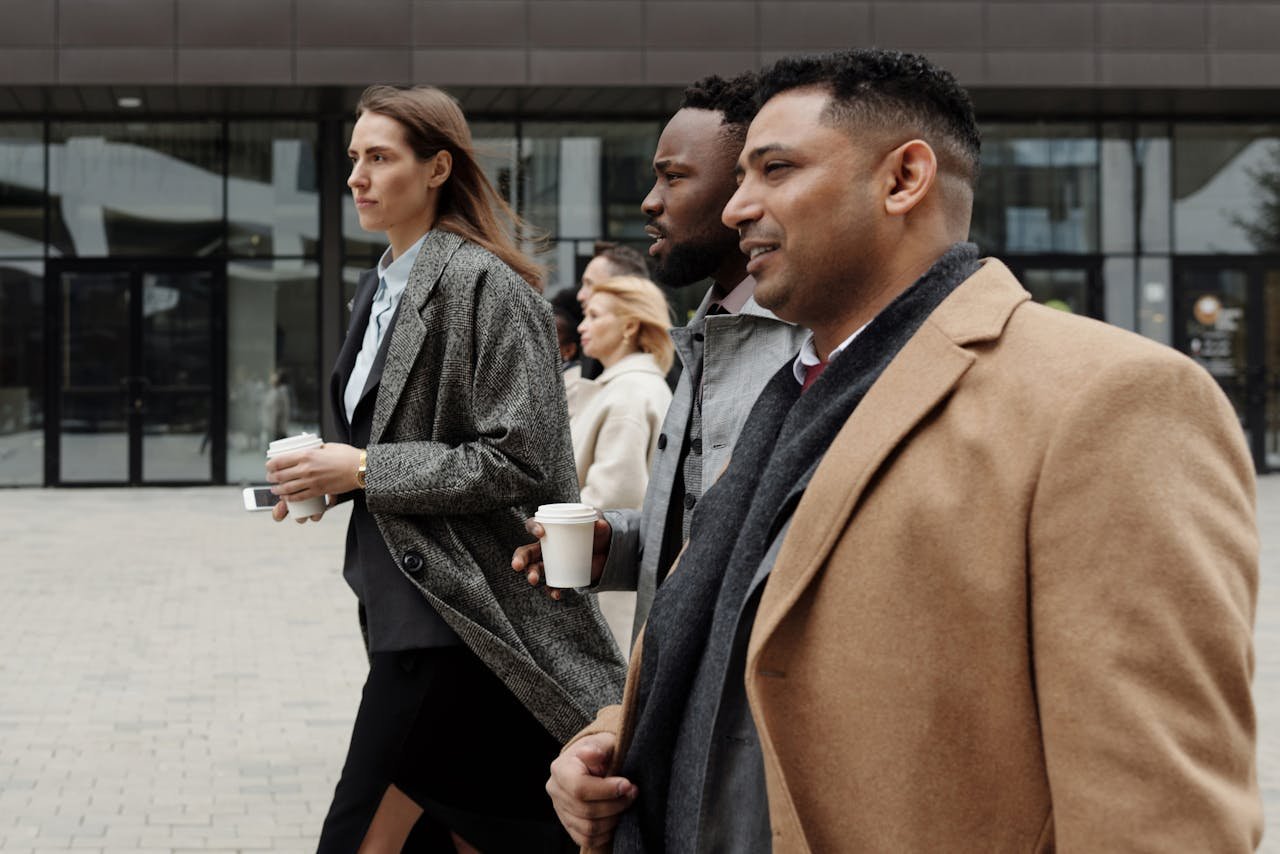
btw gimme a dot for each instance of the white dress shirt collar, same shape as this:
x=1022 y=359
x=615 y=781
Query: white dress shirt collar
x=808 y=356
x=396 y=273
x=393 y=278
x=736 y=298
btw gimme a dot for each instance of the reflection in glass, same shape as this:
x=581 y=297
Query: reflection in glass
x=136 y=188
x=1271 y=290
x=274 y=383
x=584 y=181
x=1117 y=177
x=1120 y=291
x=94 y=382
x=1155 y=298
x=1211 y=312
x=1064 y=289
x=273 y=201
x=177 y=372
x=1227 y=188
x=1153 y=173
x=21 y=190
x=21 y=373
x=1038 y=191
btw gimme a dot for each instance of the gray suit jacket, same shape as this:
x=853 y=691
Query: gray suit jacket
x=740 y=352
x=469 y=435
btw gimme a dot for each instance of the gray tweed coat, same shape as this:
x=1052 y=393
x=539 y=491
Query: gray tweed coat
x=470 y=433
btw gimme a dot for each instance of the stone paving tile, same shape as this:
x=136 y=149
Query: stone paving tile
x=180 y=675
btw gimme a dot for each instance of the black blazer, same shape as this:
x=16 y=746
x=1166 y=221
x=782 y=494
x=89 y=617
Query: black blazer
x=393 y=613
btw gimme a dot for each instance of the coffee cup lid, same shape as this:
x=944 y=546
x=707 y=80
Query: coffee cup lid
x=293 y=443
x=565 y=513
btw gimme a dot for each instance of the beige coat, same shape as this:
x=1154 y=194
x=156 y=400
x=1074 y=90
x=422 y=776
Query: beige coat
x=615 y=432
x=576 y=389
x=1013 y=611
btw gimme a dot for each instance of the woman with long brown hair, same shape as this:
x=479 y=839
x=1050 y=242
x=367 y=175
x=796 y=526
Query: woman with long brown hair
x=449 y=399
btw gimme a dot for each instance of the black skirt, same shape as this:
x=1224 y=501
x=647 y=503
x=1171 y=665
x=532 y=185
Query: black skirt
x=446 y=731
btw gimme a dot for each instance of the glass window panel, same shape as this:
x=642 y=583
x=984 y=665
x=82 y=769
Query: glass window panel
x=1153 y=165
x=1038 y=191
x=177 y=367
x=275 y=383
x=22 y=369
x=1271 y=291
x=273 y=200
x=586 y=180
x=1155 y=298
x=497 y=147
x=136 y=188
x=564 y=262
x=1211 y=310
x=21 y=190
x=1117 y=182
x=94 y=384
x=1120 y=290
x=1227 y=188
x=1064 y=289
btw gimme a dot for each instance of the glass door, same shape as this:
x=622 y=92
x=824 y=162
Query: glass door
x=1227 y=318
x=95 y=388
x=1270 y=276
x=139 y=378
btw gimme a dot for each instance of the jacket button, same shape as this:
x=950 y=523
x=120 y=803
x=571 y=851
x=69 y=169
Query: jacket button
x=662 y=441
x=412 y=562
x=689 y=501
x=698 y=336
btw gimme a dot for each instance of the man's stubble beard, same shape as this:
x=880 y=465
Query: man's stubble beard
x=694 y=261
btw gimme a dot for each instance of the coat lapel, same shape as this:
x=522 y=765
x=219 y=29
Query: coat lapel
x=361 y=305
x=916 y=381
x=404 y=341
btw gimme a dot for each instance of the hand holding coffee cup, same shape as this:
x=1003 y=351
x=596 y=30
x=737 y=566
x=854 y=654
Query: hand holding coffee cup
x=532 y=559
x=313 y=506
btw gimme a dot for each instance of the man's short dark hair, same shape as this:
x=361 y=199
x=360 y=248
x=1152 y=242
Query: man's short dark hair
x=887 y=88
x=734 y=99
x=625 y=260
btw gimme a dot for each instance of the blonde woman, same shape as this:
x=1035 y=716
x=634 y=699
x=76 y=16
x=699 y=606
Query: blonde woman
x=615 y=431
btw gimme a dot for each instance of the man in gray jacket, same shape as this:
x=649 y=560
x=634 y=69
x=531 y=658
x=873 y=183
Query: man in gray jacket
x=729 y=349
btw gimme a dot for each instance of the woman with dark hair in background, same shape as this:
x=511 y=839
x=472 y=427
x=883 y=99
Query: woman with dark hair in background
x=446 y=392
x=568 y=314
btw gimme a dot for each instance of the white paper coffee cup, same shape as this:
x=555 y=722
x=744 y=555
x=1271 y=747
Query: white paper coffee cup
x=293 y=444
x=566 y=546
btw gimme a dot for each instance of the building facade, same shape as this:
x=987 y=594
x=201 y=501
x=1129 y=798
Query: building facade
x=178 y=246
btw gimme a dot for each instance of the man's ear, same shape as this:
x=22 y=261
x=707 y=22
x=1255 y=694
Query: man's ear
x=913 y=169
x=441 y=169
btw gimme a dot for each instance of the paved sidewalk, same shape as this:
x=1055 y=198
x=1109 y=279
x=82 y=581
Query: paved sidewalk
x=179 y=675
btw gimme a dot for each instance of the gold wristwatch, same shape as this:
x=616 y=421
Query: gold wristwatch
x=363 y=470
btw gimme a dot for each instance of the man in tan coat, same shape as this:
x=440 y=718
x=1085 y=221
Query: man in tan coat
x=986 y=585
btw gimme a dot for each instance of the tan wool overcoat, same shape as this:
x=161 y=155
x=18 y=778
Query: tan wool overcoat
x=1014 y=609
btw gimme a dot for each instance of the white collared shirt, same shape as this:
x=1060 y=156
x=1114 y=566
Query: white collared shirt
x=737 y=298
x=808 y=356
x=393 y=278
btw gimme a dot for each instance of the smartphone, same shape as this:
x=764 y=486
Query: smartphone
x=259 y=498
